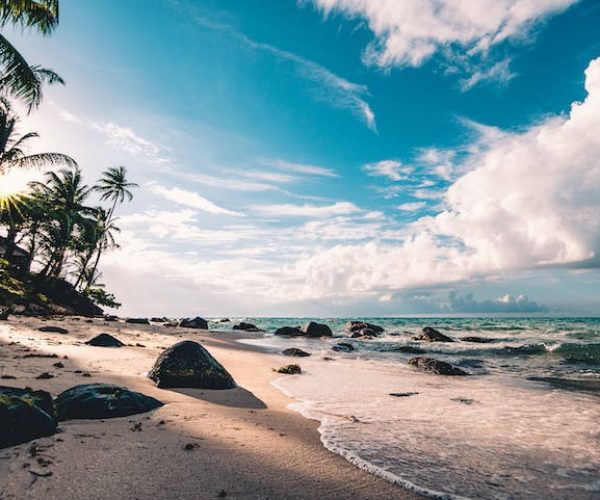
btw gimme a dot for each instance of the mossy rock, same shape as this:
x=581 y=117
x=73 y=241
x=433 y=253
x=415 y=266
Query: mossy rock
x=95 y=401
x=22 y=421
x=189 y=365
x=41 y=399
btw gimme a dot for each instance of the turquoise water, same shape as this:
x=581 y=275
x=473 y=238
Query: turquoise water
x=525 y=424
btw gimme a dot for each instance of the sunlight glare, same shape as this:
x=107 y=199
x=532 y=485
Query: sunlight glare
x=14 y=182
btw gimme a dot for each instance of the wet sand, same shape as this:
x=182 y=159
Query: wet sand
x=239 y=443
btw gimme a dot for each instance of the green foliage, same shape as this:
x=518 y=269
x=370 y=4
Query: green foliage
x=11 y=288
x=100 y=297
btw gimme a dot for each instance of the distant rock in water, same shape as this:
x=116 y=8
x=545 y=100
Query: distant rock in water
x=356 y=326
x=435 y=366
x=197 y=322
x=294 y=351
x=105 y=340
x=22 y=420
x=313 y=329
x=343 y=347
x=247 y=327
x=289 y=369
x=138 y=321
x=409 y=349
x=188 y=364
x=53 y=329
x=224 y=320
x=289 y=331
x=96 y=401
x=432 y=335
x=477 y=340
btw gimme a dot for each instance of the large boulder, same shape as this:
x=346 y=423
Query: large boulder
x=294 y=351
x=21 y=421
x=197 y=322
x=430 y=334
x=105 y=340
x=138 y=321
x=313 y=329
x=188 y=364
x=436 y=366
x=289 y=331
x=41 y=399
x=362 y=329
x=247 y=327
x=96 y=401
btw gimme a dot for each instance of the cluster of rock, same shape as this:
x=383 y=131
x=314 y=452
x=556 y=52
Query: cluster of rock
x=247 y=327
x=26 y=414
x=362 y=329
x=310 y=329
x=197 y=323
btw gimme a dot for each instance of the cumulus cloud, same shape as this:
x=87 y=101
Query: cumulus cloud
x=409 y=32
x=190 y=199
x=527 y=200
x=505 y=304
x=390 y=169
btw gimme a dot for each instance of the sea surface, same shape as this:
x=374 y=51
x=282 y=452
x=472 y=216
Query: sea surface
x=525 y=424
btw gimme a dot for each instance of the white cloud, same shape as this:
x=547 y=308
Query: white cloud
x=409 y=32
x=190 y=199
x=392 y=169
x=289 y=210
x=412 y=207
x=300 y=168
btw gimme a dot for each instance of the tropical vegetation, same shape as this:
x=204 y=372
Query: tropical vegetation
x=54 y=233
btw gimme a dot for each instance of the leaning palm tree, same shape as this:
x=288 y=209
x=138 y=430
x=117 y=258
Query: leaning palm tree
x=114 y=186
x=12 y=146
x=17 y=77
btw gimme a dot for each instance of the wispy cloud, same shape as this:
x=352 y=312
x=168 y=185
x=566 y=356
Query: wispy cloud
x=391 y=169
x=119 y=137
x=412 y=207
x=289 y=210
x=190 y=199
x=325 y=85
x=301 y=168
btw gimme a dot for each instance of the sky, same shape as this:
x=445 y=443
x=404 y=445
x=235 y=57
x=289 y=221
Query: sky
x=337 y=157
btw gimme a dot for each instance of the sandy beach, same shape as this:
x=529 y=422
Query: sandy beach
x=238 y=443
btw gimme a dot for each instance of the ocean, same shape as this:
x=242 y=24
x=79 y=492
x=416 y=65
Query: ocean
x=525 y=424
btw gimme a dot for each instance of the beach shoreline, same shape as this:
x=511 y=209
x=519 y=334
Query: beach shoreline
x=238 y=443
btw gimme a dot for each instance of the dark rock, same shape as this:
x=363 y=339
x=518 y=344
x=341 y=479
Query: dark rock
x=53 y=329
x=477 y=340
x=97 y=401
x=197 y=322
x=289 y=369
x=224 y=320
x=364 y=333
x=138 y=321
x=356 y=326
x=432 y=335
x=294 y=351
x=44 y=376
x=313 y=329
x=343 y=347
x=403 y=394
x=42 y=399
x=247 y=327
x=435 y=366
x=159 y=320
x=58 y=365
x=105 y=340
x=289 y=331
x=4 y=314
x=409 y=349
x=111 y=318
x=21 y=421
x=188 y=364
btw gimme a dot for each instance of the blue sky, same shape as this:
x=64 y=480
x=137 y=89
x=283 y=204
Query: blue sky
x=337 y=157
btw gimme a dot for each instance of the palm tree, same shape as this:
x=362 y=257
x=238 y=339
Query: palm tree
x=114 y=186
x=12 y=154
x=17 y=77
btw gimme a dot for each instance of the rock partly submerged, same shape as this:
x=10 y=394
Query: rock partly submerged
x=477 y=340
x=187 y=364
x=247 y=327
x=197 y=323
x=362 y=329
x=289 y=331
x=311 y=329
x=343 y=347
x=105 y=340
x=97 y=401
x=294 y=351
x=435 y=366
x=430 y=334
